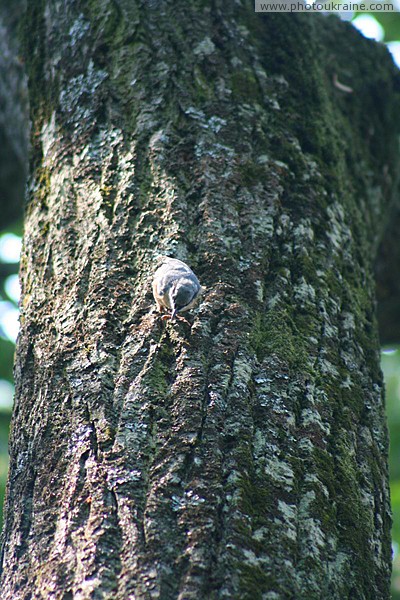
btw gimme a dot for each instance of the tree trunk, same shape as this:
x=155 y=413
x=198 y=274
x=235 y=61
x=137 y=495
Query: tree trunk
x=13 y=127
x=244 y=456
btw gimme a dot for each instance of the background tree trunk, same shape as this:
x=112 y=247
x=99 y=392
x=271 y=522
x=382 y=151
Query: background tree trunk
x=244 y=456
x=13 y=125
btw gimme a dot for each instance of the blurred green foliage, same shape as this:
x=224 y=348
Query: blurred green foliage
x=391 y=370
x=390 y=23
x=7 y=356
x=7 y=349
x=4 y=428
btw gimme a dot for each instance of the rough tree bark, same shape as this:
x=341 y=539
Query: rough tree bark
x=244 y=456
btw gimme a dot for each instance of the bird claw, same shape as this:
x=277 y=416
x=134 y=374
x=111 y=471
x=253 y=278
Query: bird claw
x=178 y=317
x=183 y=319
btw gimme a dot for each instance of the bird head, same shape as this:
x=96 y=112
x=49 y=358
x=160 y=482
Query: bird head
x=181 y=294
